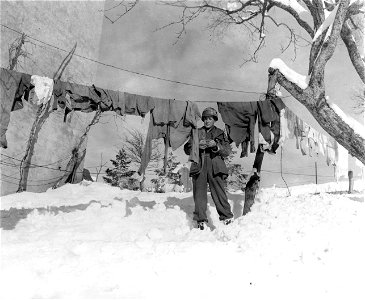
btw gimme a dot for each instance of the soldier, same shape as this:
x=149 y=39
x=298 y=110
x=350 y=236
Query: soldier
x=213 y=147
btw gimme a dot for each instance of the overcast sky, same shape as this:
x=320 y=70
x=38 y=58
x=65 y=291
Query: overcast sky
x=200 y=57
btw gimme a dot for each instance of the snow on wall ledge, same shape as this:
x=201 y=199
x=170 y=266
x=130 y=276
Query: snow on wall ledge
x=290 y=74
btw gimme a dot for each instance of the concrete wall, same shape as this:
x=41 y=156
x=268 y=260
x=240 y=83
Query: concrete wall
x=60 y=23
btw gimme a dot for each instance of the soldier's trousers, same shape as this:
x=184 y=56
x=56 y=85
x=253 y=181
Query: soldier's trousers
x=217 y=189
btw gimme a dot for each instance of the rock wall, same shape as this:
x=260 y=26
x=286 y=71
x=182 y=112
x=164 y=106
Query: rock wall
x=62 y=24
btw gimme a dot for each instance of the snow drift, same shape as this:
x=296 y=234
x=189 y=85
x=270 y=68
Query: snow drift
x=133 y=245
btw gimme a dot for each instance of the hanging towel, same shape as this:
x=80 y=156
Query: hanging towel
x=153 y=132
x=284 y=130
x=43 y=89
x=12 y=87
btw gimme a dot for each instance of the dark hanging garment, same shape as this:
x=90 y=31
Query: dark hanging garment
x=269 y=121
x=101 y=96
x=72 y=96
x=13 y=86
x=240 y=120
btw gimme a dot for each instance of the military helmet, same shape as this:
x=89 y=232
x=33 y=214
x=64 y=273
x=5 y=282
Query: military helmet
x=210 y=112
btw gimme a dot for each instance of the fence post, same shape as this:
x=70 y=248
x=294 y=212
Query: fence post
x=315 y=166
x=351 y=182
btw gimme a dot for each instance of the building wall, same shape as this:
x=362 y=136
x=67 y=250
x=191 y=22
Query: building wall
x=59 y=23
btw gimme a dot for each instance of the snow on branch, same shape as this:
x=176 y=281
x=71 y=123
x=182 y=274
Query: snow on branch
x=293 y=4
x=355 y=125
x=291 y=75
x=327 y=23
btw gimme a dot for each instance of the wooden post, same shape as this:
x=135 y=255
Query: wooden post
x=315 y=166
x=351 y=182
x=167 y=141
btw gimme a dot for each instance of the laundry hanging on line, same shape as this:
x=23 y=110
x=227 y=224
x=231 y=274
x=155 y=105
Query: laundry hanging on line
x=270 y=114
x=43 y=89
x=181 y=117
x=12 y=85
x=312 y=143
x=16 y=87
x=240 y=120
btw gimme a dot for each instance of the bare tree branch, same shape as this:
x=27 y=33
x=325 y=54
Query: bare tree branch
x=100 y=167
x=329 y=44
x=127 y=7
x=296 y=16
x=353 y=51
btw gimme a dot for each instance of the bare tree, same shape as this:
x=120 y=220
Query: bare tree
x=43 y=113
x=135 y=144
x=17 y=50
x=254 y=15
x=100 y=167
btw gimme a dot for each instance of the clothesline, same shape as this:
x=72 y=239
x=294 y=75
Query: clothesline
x=140 y=73
x=86 y=98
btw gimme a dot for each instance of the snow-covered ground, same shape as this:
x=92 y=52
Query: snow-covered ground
x=123 y=244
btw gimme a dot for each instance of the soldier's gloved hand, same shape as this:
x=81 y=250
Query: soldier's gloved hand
x=211 y=144
x=202 y=144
